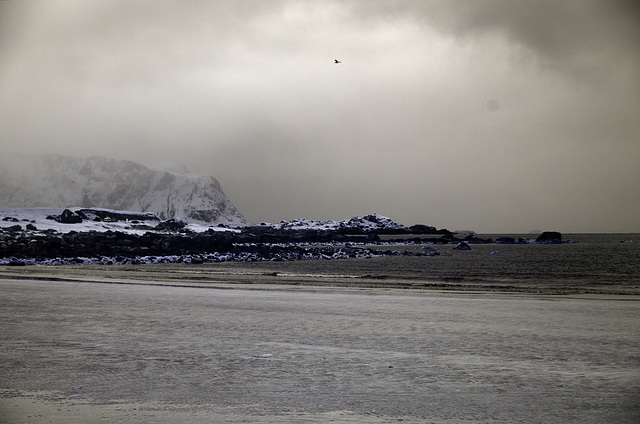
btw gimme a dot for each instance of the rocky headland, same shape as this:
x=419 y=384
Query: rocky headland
x=98 y=182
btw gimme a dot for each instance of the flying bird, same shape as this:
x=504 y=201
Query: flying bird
x=336 y=61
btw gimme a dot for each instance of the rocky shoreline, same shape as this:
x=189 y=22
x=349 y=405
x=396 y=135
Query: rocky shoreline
x=153 y=241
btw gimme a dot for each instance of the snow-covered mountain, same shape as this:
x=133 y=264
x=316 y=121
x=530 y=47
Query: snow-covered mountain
x=96 y=182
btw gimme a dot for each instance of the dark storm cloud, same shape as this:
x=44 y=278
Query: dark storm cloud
x=562 y=33
x=490 y=115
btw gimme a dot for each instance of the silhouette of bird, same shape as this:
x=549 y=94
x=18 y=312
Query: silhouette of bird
x=336 y=61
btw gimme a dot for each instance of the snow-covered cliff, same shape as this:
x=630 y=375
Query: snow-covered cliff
x=62 y=181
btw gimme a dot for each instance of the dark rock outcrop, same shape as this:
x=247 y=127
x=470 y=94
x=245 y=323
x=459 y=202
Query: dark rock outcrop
x=462 y=246
x=170 y=225
x=549 y=237
x=68 y=217
x=112 y=215
x=423 y=229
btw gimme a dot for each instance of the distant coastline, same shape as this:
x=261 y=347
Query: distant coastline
x=101 y=236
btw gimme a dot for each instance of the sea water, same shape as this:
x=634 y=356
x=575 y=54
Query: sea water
x=584 y=264
x=593 y=263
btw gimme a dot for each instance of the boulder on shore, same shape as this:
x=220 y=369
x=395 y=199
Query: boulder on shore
x=430 y=251
x=549 y=237
x=462 y=246
x=68 y=217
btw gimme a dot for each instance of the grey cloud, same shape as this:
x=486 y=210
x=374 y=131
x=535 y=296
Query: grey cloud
x=574 y=34
x=248 y=92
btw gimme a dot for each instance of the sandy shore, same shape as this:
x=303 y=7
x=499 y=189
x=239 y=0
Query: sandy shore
x=450 y=275
x=86 y=351
x=47 y=408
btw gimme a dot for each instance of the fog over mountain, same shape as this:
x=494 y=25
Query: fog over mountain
x=63 y=181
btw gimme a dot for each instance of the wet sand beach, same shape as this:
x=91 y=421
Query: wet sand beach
x=92 y=351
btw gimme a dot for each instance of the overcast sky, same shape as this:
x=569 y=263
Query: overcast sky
x=493 y=116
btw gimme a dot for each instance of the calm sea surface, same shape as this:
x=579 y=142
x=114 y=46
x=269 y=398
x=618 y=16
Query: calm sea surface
x=589 y=264
x=601 y=263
